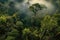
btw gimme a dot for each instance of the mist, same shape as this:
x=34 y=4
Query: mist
x=23 y=7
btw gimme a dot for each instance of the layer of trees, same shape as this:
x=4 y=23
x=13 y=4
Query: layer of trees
x=13 y=27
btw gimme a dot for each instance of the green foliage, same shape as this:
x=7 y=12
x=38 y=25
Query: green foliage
x=10 y=38
x=3 y=18
x=49 y=22
x=36 y=7
x=26 y=31
x=12 y=27
x=19 y=23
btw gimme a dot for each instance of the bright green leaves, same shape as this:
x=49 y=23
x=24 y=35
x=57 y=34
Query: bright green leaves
x=49 y=22
x=3 y=18
x=26 y=31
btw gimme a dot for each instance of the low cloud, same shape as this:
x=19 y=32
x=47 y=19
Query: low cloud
x=23 y=6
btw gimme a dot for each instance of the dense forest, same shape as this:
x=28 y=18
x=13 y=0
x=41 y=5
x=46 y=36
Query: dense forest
x=19 y=23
